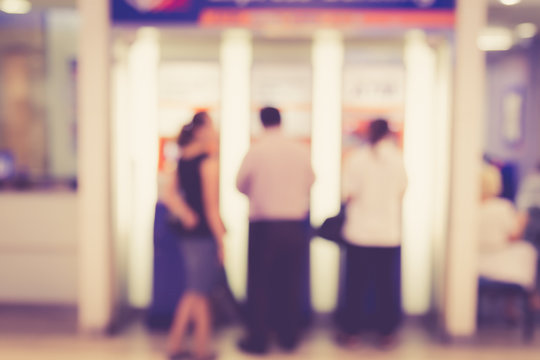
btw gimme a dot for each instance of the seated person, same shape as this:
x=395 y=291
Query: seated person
x=504 y=256
x=528 y=201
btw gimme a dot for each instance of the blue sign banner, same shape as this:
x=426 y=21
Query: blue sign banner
x=334 y=4
x=190 y=10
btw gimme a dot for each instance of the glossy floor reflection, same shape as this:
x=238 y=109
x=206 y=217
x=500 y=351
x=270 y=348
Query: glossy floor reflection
x=50 y=335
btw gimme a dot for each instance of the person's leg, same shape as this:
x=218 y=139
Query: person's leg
x=356 y=287
x=203 y=327
x=388 y=290
x=287 y=271
x=182 y=318
x=257 y=289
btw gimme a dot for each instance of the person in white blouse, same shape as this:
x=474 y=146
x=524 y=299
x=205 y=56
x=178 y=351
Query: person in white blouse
x=374 y=182
x=504 y=256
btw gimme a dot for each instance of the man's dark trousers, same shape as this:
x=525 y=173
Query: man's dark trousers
x=276 y=264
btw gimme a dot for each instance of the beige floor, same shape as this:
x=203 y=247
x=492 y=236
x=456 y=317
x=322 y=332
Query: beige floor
x=24 y=337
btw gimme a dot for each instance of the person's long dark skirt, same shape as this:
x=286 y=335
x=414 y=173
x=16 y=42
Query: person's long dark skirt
x=275 y=268
x=372 y=299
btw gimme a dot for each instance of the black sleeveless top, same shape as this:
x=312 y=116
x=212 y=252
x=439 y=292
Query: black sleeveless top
x=189 y=172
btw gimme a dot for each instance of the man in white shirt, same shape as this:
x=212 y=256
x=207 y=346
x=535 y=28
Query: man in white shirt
x=276 y=176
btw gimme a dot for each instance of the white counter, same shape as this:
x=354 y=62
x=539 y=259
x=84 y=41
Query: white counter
x=38 y=247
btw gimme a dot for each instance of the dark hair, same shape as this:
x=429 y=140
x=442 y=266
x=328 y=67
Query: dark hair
x=378 y=129
x=270 y=116
x=200 y=119
x=187 y=134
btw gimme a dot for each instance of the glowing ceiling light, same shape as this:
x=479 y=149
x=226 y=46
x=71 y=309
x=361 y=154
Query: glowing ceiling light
x=510 y=2
x=526 y=30
x=495 y=39
x=15 y=6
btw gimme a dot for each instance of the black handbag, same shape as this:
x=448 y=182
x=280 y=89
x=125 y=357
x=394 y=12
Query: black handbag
x=332 y=227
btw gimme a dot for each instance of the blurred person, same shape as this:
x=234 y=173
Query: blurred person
x=528 y=201
x=276 y=176
x=194 y=198
x=503 y=256
x=509 y=176
x=374 y=182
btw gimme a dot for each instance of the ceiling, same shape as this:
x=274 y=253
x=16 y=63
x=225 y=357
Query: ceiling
x=497 y=3
x=503 y=15
x=53 y=3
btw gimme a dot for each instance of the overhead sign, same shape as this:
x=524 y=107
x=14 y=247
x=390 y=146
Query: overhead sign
x=192 y=11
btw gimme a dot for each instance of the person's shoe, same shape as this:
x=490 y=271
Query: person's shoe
x=387 y=342
x=345 y=340
x=511 y=314
x=535 y=301
x=180 y=355
x=250 y=347
x=212 y=356
x=289 y=345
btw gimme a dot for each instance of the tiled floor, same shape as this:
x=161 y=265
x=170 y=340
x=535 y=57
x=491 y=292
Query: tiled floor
x=34 y=336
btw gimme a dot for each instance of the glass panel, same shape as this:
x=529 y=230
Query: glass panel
x=38 y=73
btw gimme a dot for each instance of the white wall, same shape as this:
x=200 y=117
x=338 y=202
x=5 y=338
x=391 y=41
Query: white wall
x=97 y=293
x=38 y=248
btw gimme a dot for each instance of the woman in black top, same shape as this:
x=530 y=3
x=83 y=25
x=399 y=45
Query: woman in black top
x=196 y=195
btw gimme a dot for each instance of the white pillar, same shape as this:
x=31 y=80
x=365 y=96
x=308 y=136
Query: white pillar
x=327 y=58
x=236 y=58
x=143 y=62
x=122 y=173
x=419 y=159
x=466 y=154
x=441 y=169
x=95 y=256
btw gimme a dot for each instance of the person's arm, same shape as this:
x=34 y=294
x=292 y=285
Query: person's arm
x=178 y=206
x=311 y=176
x=403 y=178
x=244 y=175
x=210 y=192
x=521 y=223
x=310 y=172
x=348 y=181
x=524 y=194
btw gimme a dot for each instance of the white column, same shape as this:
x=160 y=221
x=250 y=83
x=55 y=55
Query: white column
x=143 y=61
x=327 y=58
x=236 y=58
x=419 y=159
x=94 y=212
x=122 y=167
x=441 y=169
x=466 y=153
